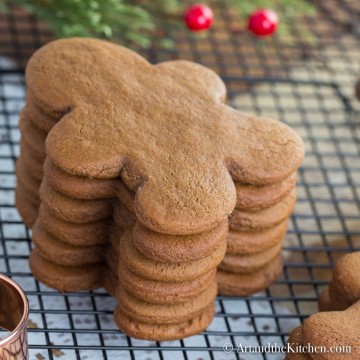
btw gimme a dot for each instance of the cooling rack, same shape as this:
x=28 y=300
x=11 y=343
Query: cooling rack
x=307 y=83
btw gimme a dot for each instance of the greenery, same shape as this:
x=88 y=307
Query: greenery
x=134 y=21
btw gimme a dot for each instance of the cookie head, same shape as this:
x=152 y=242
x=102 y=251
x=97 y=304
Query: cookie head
x=164 y=129
x=334 y=329
x=346 y=277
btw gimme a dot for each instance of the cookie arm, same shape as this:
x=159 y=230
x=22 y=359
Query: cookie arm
x=80 y=148
x=260 y=151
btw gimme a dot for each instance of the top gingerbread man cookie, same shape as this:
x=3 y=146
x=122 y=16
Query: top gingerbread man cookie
x=164 y=129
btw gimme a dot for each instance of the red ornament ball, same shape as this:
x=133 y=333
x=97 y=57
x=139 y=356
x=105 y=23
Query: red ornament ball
x=263 y=22
x=199 y=17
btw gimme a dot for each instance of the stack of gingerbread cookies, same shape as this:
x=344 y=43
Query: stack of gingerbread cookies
x=156 y=271
x=137 y=165
x=29 y=169
x=257 y=231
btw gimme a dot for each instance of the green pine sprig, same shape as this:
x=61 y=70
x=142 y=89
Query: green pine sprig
x=134 y=22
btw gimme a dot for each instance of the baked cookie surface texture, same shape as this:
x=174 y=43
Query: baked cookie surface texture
x=128 y=175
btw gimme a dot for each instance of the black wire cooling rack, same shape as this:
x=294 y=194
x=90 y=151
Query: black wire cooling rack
x=305 y=81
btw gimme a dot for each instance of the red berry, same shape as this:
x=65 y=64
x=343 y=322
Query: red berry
x=263 y=22
x=199 y=17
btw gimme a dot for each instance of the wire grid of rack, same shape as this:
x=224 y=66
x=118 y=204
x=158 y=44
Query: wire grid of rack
x=308 y=86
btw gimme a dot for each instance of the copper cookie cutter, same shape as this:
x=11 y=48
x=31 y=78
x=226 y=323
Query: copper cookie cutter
x=14 y=312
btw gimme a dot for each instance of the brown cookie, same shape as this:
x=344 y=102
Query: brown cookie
x=175 y=248
x=65 y=278
x=344 y=287
x=80 y=187
x=26 y=143
x=112 y=259
x=31 y=133
x=172 y=272
x=163 y=271
x=162 y=332
x=325 y=301
x=83 y=211
x=33 y=165
x=181 y=189
x=357 y=89
x=339 y=300
x=293 y=343
x=231 y=284
x=161 y=292
x=26 y=204
x=74 y=278
x=110 y=270
x=43 y=121
x=334 y=328
x=164 y=313
x=53 y=249
x=246 y=264
x=74 y=210
x=263 y=219
x=29 y=182
x=86 y=234
x=166 y=154
x=153 y=291
x=82 y=234
x=215 y=87
x=109 y=281
x=346 y=278
x=248 y=243
x=255 y=198
x=122 y=216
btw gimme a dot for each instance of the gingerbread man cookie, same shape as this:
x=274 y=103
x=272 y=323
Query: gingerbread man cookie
x=163 y=129
x=155 y=146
